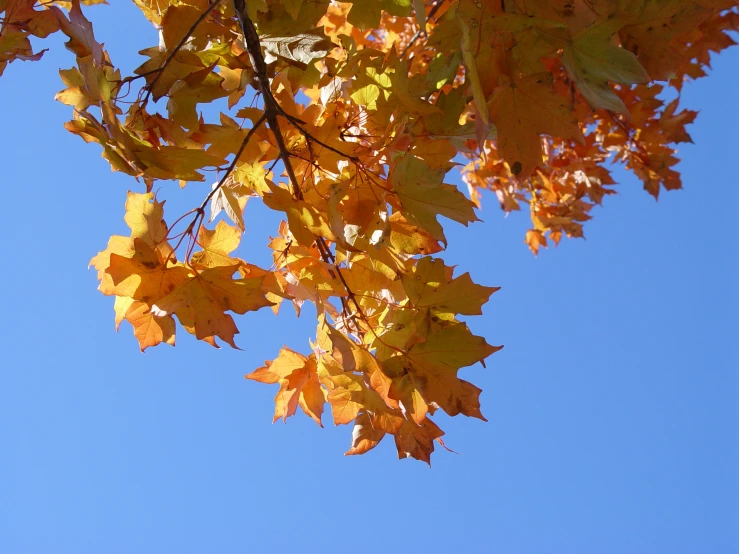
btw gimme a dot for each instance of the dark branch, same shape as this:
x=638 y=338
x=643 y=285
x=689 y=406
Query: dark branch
x=271 y=111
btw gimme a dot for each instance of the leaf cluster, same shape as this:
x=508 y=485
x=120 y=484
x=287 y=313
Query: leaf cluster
x=345 y=118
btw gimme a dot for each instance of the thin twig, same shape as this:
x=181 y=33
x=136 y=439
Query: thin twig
x=185 y=38
x=231 y=167
x=200 y=217
x=194 y=227
x=309 y=137
x=628 y=131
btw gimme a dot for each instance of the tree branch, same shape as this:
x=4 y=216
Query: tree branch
x=271 y=110
x=254 y=48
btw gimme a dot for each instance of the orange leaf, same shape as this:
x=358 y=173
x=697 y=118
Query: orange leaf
x=522 y=110
x=299 y=384
x=201 y=301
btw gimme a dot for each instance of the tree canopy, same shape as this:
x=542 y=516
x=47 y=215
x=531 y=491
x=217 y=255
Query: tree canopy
x=346 y=117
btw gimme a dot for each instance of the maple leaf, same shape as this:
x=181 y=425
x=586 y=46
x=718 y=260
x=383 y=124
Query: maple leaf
x=217 y=245
x=142 y=275
x=145 y=217
x=423 y=196
x=407 y=238
x=431 y=286
x=592 y=62
x=365 y=14
x=523 y=109
x=417 y=441
x=428 y=373
x=365 y=436
x=299 y=384
x=149 y=329
x=227 y=199
x=200 y=302
x=79 y=30
x=304 y=220
x=177 y=22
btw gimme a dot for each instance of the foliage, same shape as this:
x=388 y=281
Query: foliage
x=346 y=117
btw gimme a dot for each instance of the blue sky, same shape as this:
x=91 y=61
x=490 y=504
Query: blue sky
x=613 y=414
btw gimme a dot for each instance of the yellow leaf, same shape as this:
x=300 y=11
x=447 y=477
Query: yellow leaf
x=304 y=220
x=145 y=217
x=200 y=302
x=423 y=196
x=299 y=384
x=217 y=245
x=149 y=329
x=431 y=286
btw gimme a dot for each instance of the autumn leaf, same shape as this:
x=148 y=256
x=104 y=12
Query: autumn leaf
x=299 y=385
x=522 y=110
x=423 y=196
x=365 y=14
x=81 y=36
x=145 y=217
x=428 y=373
x=417 y=441
x=217 y=245
x=593 y=62
x=200 y=302
x=304 y=220
x=431 y=286
x=228 y=200
x=364 y=435
x=150 y=330
x=142 y=275
x=299 y=49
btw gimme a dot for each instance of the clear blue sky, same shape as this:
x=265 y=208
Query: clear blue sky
x=613 y=408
